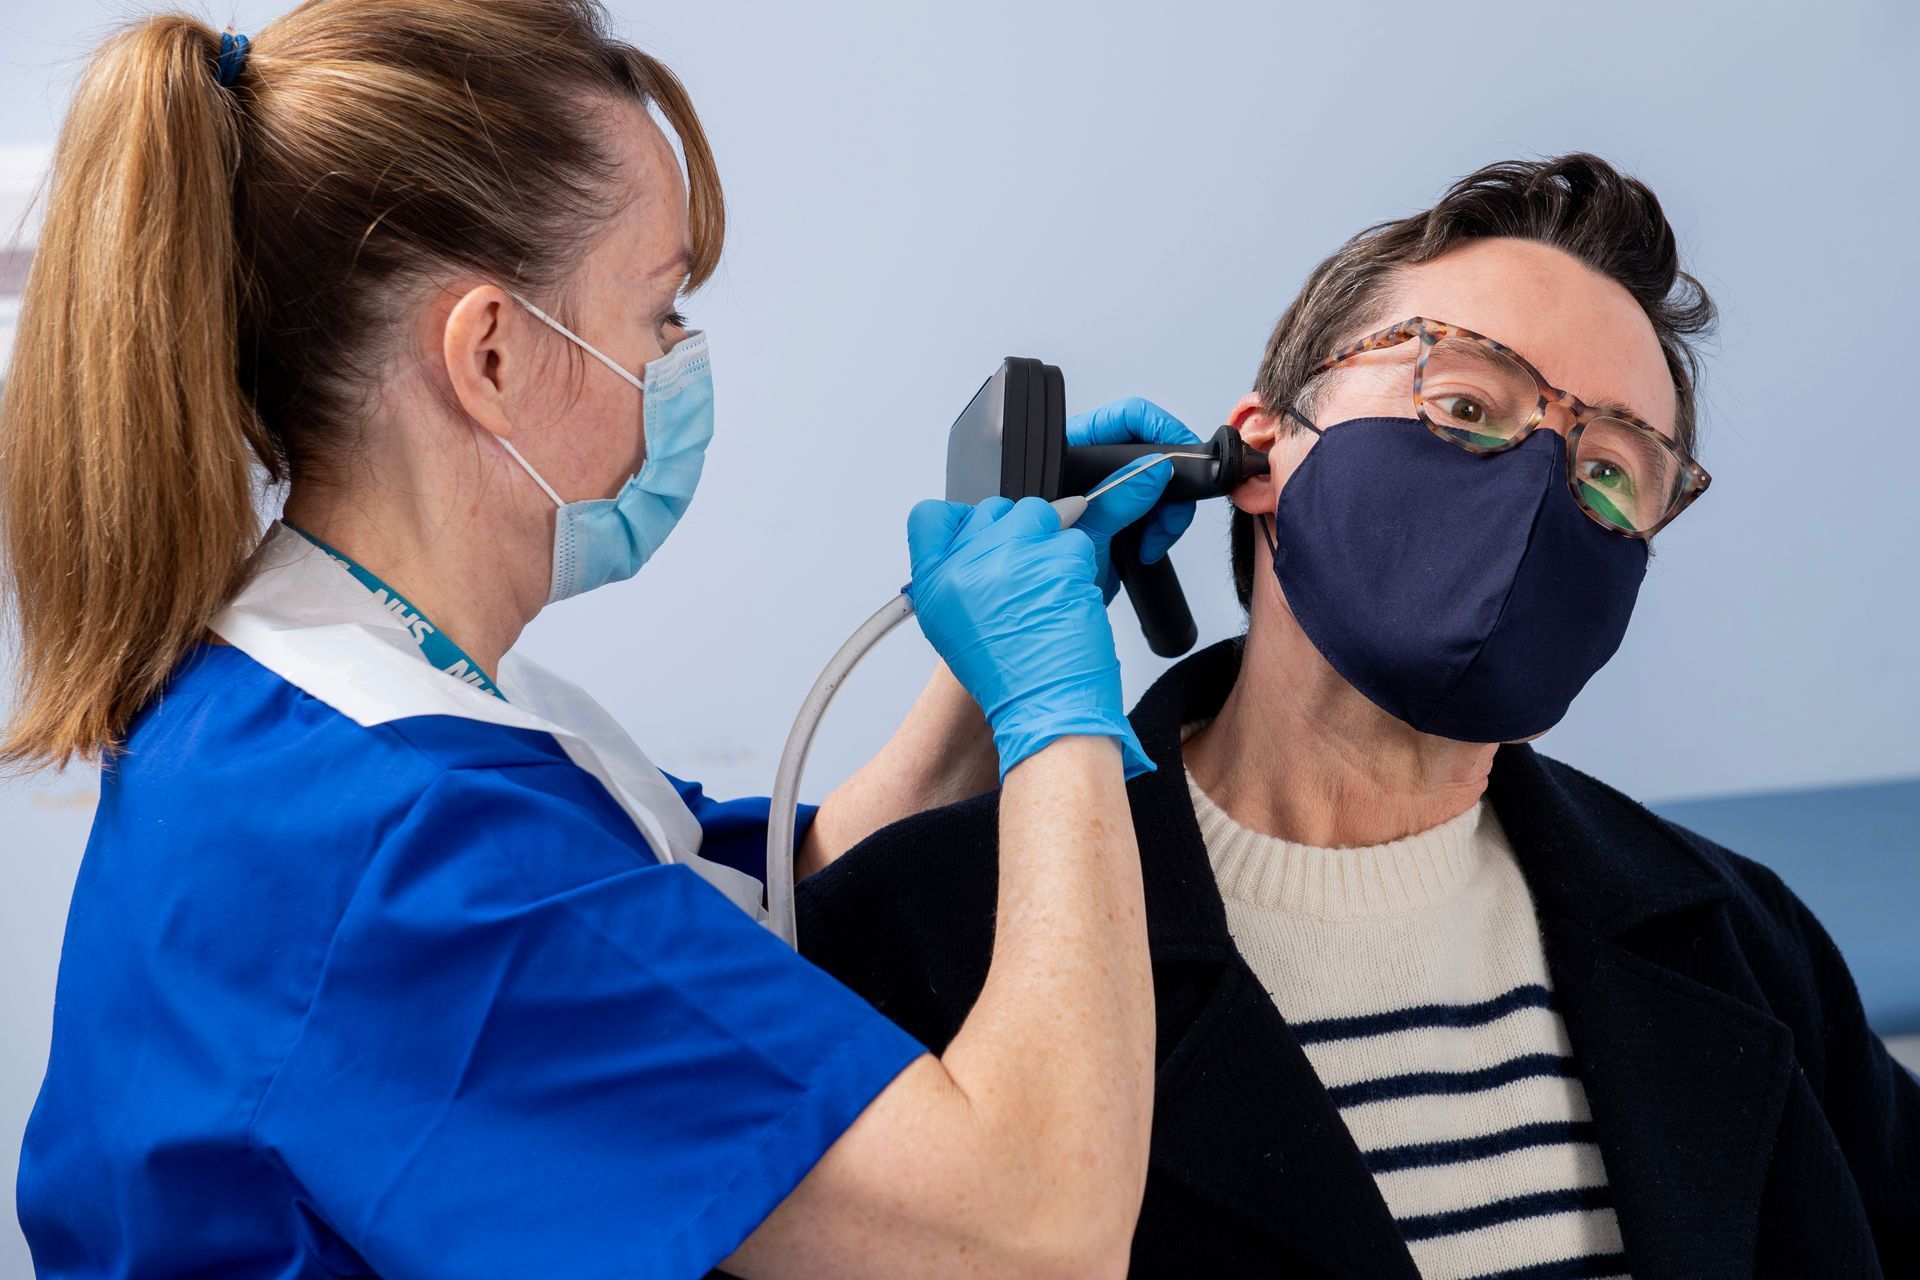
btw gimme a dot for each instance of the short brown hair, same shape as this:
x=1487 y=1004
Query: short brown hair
x=216 y=287
x=1576 y=203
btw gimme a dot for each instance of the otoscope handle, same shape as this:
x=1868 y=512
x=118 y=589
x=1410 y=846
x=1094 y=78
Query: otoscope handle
x=1165 y=618
x=1229 y=461
x=1154 y=589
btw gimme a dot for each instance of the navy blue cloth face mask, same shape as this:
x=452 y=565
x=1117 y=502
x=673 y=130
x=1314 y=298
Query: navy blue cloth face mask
x=1467 y=595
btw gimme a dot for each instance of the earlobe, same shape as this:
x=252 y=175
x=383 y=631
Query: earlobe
x=478 y=361
x=1255 y=496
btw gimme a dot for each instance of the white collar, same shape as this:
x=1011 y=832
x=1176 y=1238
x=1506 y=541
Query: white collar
x=302 y=616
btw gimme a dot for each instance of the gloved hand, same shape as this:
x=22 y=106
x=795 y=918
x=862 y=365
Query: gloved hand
x=1009 y=599
x=1124 y=422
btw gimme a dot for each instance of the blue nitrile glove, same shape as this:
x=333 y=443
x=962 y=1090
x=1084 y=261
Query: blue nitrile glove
x=1124 y=422
x=1008 y=598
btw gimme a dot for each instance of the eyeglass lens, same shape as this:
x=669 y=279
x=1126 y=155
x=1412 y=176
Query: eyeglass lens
x=1480 y=398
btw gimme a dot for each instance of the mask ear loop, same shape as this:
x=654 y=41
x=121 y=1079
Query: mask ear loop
x=591 y=350
x=1273 y=561
x=1267 y=530
x=528 y=468
x=581 y=342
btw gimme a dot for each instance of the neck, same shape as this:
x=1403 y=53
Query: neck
x=1298 y=753
x=476 y=564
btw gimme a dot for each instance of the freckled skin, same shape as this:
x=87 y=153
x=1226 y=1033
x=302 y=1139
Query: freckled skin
x=441 y=510
x=581 y=426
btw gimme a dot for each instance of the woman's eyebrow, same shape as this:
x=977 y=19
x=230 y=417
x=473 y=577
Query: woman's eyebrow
x=681 y=262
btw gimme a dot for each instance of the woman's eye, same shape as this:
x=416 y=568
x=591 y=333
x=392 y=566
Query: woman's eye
x=673 y=320
x=1606 y=475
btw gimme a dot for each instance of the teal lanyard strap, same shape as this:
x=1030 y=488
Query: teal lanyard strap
x=435 y=645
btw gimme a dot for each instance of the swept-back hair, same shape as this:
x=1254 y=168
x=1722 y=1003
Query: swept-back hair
x=1576 y=203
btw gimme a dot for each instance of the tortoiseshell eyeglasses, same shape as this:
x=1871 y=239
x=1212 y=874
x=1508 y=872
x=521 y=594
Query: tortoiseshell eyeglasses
x=1482 y=396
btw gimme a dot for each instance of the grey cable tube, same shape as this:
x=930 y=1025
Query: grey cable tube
x=783 y=816
x=783 y=819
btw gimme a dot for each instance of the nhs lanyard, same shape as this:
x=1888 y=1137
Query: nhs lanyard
x=435 y=645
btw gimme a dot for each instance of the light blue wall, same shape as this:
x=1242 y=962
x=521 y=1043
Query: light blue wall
x=1849 y=853
x=1132 y=191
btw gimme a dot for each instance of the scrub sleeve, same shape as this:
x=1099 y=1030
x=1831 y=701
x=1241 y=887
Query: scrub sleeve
x=531 y=1052
x=734 y=832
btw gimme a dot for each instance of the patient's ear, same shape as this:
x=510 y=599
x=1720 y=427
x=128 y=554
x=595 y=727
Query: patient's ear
x=1261 y=430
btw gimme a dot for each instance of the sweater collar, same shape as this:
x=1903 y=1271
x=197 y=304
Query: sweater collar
x=1662 y=1051
x=1396 y=878
x=1589 y=854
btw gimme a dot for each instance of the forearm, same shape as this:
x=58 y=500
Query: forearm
x=1023 y=1151
x=1057 y=1054
x=942 y=752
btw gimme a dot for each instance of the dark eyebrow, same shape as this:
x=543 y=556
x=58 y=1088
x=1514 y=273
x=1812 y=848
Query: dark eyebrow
x=1407 y=352
x=1398 y=353
x=1620 y=408
x=1613 y=408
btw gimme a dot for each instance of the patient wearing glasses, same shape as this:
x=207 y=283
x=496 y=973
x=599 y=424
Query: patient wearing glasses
x=1431 y=1004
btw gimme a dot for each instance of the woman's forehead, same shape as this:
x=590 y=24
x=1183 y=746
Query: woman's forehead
x=649 y=226
x=1583 y=332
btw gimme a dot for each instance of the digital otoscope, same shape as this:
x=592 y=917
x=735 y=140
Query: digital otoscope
x=1011 y=440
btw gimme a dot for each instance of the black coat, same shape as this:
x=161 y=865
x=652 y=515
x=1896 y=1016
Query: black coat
x=1751 y=1123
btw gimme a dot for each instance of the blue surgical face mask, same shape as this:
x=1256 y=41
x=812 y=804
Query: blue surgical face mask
x=602 y=540
x=1468 y=596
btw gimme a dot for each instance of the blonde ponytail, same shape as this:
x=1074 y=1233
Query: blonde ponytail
x=216 y=287
x=126 y=447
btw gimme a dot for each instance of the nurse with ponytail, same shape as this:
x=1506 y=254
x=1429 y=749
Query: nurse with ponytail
x=391 y=954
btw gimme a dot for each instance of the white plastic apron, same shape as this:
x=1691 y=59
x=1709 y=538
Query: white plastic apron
x=302 y=616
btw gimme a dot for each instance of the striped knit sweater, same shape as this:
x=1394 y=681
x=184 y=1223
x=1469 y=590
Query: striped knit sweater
x=1412 y=975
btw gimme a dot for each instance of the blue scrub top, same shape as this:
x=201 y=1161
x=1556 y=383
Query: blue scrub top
x=415 y=1000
